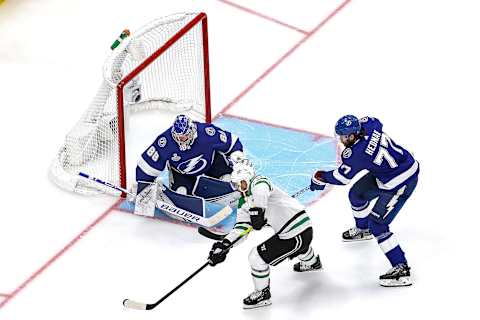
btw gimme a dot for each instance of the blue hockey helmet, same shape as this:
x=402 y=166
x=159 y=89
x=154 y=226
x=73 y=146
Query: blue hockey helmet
x=184 y=131
x=347 y=125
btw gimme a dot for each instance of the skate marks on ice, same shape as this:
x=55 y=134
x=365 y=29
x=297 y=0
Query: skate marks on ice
x=286 y=155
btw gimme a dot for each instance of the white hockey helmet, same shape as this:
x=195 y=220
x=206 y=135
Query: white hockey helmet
x=242 y=171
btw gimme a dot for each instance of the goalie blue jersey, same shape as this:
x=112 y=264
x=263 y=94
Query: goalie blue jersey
x=210 y=142
x=376 y=152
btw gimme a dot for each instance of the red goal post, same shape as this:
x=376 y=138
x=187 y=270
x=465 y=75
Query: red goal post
x=164 y=65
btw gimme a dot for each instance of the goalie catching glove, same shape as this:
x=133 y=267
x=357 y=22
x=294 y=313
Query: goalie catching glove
x=219 y=252
x=316 y=183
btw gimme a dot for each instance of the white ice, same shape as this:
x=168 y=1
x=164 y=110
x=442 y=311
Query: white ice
x=413 y=64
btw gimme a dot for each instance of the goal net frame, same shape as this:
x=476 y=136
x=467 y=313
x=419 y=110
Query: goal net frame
x=69 y=180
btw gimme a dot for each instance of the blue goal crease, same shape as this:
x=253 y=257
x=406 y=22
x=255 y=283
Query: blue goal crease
x=287 y=156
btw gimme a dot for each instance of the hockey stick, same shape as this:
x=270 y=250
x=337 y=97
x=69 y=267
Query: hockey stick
x=149 y=306
x=172 y=209
x=219 y=236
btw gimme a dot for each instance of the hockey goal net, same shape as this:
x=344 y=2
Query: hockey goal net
x=162 y=66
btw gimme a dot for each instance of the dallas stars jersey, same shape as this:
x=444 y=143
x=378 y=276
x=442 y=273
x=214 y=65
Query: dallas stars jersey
x=194 y=161
x=376 y=152
x=283 y=213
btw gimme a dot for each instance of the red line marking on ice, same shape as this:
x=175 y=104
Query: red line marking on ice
x=169 y=220
x=261 y=15
x=282 y=58
x=58 y=255
x=4 y=295
x=30 y=279
x=315 y=134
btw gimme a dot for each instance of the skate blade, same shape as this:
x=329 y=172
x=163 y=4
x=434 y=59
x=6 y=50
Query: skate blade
x=402 y=282
x=264 y=303
x=358 y=240
x=310 y=270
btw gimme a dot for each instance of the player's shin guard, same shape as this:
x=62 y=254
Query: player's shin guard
x=261 y=279
x=260 y=270
x=390 y=247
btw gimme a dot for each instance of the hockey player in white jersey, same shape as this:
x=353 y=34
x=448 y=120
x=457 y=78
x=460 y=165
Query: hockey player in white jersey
x=263 y=203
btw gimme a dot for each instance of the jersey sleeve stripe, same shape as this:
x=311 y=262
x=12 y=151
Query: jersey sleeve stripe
x=234 y=140
x=337 y=175
x=148 y=169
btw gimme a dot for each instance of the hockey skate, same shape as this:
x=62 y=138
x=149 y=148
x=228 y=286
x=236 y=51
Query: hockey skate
x=397 y=276
x=303 y=267
x=258 y=299
x=356 y=234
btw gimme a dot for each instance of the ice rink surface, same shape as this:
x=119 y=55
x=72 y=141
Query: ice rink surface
x=413 y=64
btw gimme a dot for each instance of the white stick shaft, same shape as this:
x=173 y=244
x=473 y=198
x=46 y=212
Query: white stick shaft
x=108 y=184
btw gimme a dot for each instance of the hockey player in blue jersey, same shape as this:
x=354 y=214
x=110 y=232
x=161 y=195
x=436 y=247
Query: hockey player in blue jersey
x=189 y=149
x=392 y=176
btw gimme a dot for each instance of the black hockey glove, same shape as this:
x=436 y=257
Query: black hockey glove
x=219 y=251
x=257 y=217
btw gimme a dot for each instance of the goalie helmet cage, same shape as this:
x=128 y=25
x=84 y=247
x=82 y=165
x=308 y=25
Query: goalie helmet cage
x=162 y=66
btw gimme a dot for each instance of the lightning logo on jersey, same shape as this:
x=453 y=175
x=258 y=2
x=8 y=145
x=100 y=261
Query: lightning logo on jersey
x=193 y=165
x=196 y=160
x=391 y=204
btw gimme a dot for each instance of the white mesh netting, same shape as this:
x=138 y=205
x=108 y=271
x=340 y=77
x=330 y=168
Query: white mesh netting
x=173 y=81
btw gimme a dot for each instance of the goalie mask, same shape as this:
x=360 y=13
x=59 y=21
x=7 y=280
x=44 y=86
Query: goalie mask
x=184 y=132
x=243 y=172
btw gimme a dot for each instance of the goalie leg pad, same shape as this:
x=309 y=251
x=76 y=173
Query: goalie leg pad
x=216 y=191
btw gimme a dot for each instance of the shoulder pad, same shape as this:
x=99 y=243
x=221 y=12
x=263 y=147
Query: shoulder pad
x=162 y=141
x=261 y=179
x=210 y=131
x=347 y=153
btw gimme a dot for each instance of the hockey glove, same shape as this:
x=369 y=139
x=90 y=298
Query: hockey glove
x=316 y=183
x=219 y=251
x=257 y=217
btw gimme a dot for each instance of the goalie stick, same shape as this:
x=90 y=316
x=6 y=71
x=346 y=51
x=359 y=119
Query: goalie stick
x=172 y=209
x=131 y=304
x=219 y=236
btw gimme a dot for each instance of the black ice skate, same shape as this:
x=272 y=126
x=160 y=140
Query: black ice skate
x=303 y=267
x=258 y=299
x=398 y=276
x=356 y=234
